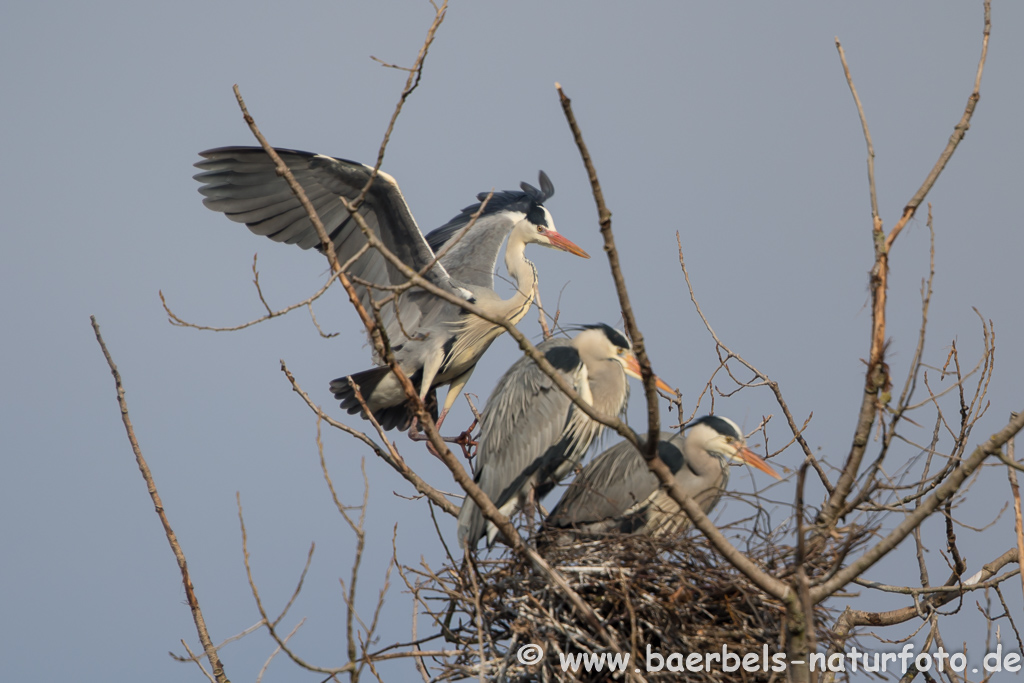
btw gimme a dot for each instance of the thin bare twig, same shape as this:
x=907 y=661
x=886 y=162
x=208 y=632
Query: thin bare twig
x=238 y=636
x=174 y=319
x=411 y=83
x=797 y=431
x=478 y=612
x=277 y=650
x=172 y=539
x=867 y=134
x=1015 y=490
x=942 y=493
x=193 y=658
x=540 y=314
x=388 y=455
x=358 y=528
x=298 y=586
x=271 y=628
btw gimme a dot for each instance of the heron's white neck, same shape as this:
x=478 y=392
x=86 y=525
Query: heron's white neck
x=478 y=333
x=523 y=272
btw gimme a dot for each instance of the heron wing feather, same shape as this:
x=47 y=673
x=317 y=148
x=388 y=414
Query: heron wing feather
x=241 y=182
x=613 y=482
x=525 y=415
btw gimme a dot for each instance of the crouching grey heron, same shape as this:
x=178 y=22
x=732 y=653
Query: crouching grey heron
x=435 y=342
x=617 y=493
x=532 y=435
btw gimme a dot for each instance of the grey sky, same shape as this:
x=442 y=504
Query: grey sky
x=731 y=124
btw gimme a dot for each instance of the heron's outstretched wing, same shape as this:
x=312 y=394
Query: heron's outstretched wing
x=241 y=183
x=525 y=416
x=611 y=484
x=473 y=254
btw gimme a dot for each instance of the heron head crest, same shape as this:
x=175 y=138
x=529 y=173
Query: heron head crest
x=546 y=191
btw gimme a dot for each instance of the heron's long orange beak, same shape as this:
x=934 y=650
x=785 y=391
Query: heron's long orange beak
x=754 y=460
x=559 y=242
x=633 y=370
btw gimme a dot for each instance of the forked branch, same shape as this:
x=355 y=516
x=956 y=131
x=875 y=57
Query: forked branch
x=876 y=375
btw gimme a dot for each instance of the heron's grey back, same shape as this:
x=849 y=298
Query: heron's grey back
x=524 y=416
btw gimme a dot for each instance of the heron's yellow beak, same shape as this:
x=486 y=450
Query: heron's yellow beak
x=632 y=367
x=559 y=242
x=754 y=460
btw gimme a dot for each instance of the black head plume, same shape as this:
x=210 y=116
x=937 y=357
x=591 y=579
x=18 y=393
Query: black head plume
x=546 y=191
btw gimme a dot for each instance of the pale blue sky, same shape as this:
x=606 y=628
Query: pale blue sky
x=731 y=124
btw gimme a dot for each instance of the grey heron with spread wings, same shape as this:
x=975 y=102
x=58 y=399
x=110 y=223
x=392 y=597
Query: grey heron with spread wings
x=435 y=342
x=617 y=493
x=532 y=436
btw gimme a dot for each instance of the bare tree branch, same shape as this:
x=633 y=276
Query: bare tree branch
x=172 y=539
x=1015 y=491
x=877 y=376
x=942 y=493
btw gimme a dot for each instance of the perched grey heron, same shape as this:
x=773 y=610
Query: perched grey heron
x=617 y=493
x=435 y=342
x=532 y=435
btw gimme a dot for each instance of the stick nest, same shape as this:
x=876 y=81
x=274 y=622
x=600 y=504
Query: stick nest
x=675 y=595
